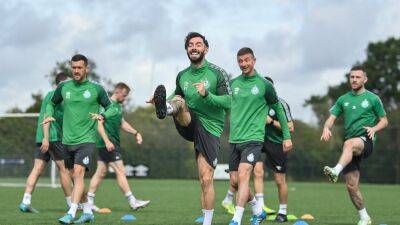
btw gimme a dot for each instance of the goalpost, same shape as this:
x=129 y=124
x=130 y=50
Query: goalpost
x=17 y=146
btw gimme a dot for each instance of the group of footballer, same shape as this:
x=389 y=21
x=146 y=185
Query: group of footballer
x=78 y=117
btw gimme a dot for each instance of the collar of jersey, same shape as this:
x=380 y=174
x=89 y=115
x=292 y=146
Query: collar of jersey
x=80 y=83
x=250 y=78
x=199 y=70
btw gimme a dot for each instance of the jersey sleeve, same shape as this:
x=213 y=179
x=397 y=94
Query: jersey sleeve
x=270 y=94
x=378 y=107
x=337 y=108
x=286 y=110
x=271 y=99
x=105 y=102
x=222 y=98
x=56 y=99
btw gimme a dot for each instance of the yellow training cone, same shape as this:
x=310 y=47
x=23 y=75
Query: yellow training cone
x=104 y=210
x=307 y=217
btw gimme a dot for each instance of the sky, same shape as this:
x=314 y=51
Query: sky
x=305 y=46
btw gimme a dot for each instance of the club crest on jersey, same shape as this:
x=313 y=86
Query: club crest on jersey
x=68 y=95
x=250 y=157
x=185 y=85
x=236 y=90
x=365 y=103
x=271 y=112
x=254 y=90
x=206 y=83
x=87 y=94
x=85 y=160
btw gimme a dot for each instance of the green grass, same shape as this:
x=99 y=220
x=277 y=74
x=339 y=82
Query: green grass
x=175 y=202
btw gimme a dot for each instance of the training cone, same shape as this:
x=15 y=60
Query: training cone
x=128 y=217
x=307 y=217
x=300 y=222
x=104 y=211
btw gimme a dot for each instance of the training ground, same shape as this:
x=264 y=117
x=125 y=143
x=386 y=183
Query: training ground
x=176 y=202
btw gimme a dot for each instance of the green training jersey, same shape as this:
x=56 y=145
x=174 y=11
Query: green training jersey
x=209 y=110
x=250 y=97
x=112 y=126
x=55 y=130
x=359 y=111
x=80 y=99
x=271 y=132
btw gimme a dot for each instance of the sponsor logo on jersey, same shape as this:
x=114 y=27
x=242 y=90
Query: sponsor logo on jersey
x=346 y=104
x=68 y=95
x=87 y=94
x=365 y=103
x=254 y=90
x=354 y=107
x=271 y=112
x=250 y=157
x=86 y=160
x=215 y=162
x=236 y=90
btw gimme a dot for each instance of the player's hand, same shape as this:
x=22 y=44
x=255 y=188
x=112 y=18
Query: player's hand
x=200 y=88
x=326 y=134
x=96 y=116
x=287 y=145
x=139 y=138
x=179 y=98
x=110 y=146
x=371 y=132
x=48 y=120
x=150 y=101
x=45 y=145
x=269 y=120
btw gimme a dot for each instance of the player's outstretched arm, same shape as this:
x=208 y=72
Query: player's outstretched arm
x=382 y=123
x=326 y=133
x=129 y=129
x=102 y=132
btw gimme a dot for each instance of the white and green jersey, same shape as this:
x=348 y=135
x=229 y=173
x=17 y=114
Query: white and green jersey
x=359 y=111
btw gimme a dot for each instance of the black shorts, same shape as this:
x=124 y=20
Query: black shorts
x=107 y=157
x=275 y=158
x=247 y=152
x=204 y=142
x=57 y=151
x=355 y=162
x=81 y=154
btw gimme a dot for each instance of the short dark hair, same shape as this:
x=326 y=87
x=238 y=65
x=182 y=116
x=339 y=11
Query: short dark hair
x=357 y=67
x=60 y=77
x=269 y=79
x=122 y=86
x=244 y=51
x=191 y=35
x=79 y=57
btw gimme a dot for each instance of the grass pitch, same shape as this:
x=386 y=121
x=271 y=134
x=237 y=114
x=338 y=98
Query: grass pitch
x=176 y=202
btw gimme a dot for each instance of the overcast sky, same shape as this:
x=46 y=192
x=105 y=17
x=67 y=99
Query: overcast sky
x=304 y=45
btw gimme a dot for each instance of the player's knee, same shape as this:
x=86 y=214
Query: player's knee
x=348 y=145
x=258 y=172
x=206 y=180
x=280 y=180
x=352 y=187
x=243 y=175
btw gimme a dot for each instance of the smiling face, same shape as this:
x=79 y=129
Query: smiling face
x=196 y=50
x=357 y=79
x=246 y=63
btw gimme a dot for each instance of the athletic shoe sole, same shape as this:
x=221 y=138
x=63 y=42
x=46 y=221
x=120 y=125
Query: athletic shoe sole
x=332 y=177
x=160 y=102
